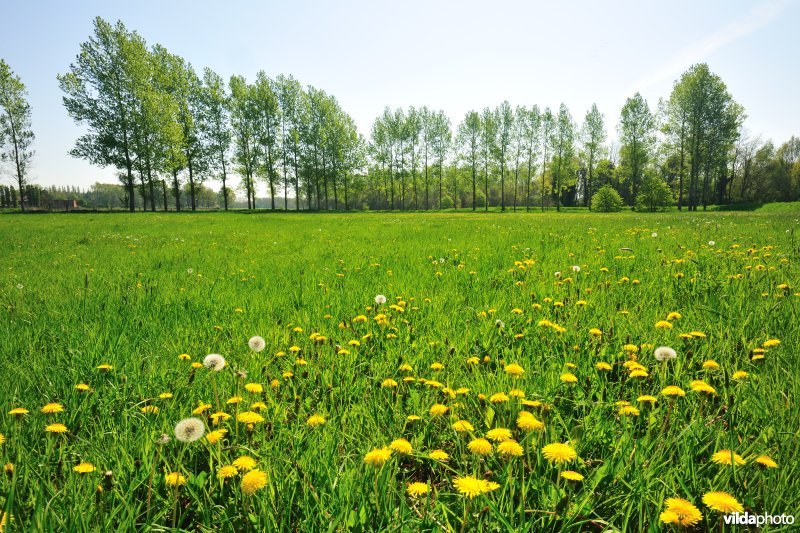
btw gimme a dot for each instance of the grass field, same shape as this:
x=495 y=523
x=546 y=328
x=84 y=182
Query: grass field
x=492 y=318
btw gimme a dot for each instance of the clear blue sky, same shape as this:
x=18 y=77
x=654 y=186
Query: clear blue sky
x=454 y=56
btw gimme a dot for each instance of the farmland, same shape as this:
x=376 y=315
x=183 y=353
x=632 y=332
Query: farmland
x=501 y=336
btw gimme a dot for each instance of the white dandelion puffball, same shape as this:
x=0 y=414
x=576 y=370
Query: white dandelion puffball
x=654 y=234
x=712 y=243
x=189 y=270
x=664 y=353
x=380 y=299
x=500 y=324
x=257 y=343
x=576 y=268
x=214 y=361
x=20 y=286
x=189 y=429
x=557 y=274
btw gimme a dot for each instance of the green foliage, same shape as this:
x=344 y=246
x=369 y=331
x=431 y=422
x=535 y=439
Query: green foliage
x=654 y=194
x=16 y=132
x=606 y=200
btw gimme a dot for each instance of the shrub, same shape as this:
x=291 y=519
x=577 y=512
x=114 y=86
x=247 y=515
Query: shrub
x=654 y=195
x=606 y=200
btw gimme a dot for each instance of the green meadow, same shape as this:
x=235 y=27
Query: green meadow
x=525 y=330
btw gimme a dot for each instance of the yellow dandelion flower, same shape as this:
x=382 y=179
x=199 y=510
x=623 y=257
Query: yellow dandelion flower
x=51 y=408
x=253 y=481
x=315 y=420
x=184 y=357
x=174 y=479
x=514 y=370
x=722 y=502
x=202 y=408
x=227 y=471
x=595 y=332
x=83 y=468
x=244 y=463
x=559 y=453
x=150 y=409
x=638 y=373
x=568 y=377
x=499 y=434
x=439 y=455
x=499 y=397
x=663 y=324
x=105 y=367
x=401 y=446
x=681 y=512
x=417 y=489
x=602 y=365
x=413 y=418
x=739 y=375
x=766 y=461
x=389 y=383
x=510 y=448
x=165 y=395
x=437 y=366
x=710 y=365
x=480 y=446
x=219 y=415
x=249 y=417
x=471 y=486
x=82 y=387
x=527 y=422
x=56 y=428
x=378 y=456
x=631 y=348
x=727 y=457
x=438 y=409
x=18 y=411
x=571 y=475
x=255 y=388
x=473 y=360
x=462 y=426
x=628 y=410
x=673 y=390
x=771 y=343
x=646 y=398
x=215 y=436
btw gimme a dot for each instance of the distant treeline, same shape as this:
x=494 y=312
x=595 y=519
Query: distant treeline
x=169 y=131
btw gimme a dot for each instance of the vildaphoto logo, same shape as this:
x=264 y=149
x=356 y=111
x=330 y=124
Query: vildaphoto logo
x=758 y=520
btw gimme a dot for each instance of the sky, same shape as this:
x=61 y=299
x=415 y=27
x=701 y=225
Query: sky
x=455 y=56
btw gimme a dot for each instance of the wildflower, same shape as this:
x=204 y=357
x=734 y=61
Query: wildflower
x=673 y=390
x=576 y=268
x=401 y=446
x=771 y=343
x=510 y=448
x=638 y=373
x=378 y=456
x=710 y=365
x=568 y=377
x=437 y=366
x=197 y=365
x=462 y=426
x=256 y=343
x=471 y=486
x=663 y=324
x=594 y=332
x=681 y=512
x=315 y=420
x=417 y=489
x=219 y=415
x=249 y=417
x=631 y=348
x=380 y=299
x=2 y=438
x=499 y=434
x=697 y=334
x=514 y=370
x=571 y=475
x=766 y=461
x=527 y=422
x=245 y=463
x=165 y=395
x=559 y=453
x=722 y=502
x=83 y=468
x=51 y=408
x=739 y=375
x=82 y=387
x=189 y=429
x=702 y=386
x=628 y=410
x=516 y=393
x=727 y=457
x=255 y=388
x=18 y=411
x=602 y=365
x=214 y=362
x=646 y=398
x=226 y=471
x=439 y=455
x=438 y=409
x=105 y=367
x=56 y=428
x=150 y=409
x=215 y=436
x=499 y=397
x=253 y=481
x=480 y=446
x=184 y=357
x=664 y=353
x=413 y=418
x=174 y=479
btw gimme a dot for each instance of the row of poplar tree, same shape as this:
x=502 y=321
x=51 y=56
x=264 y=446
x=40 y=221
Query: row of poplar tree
x=168 y=129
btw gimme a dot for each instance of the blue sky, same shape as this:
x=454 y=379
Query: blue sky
x=454 y=56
